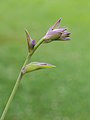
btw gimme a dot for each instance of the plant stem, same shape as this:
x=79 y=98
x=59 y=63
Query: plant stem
x=11 y=97
x=13 y=91
x=18 y=80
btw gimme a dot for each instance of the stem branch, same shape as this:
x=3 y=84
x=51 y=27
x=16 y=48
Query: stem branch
x=18 y=80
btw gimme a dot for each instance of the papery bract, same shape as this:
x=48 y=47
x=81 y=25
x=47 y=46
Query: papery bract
x=36 y=66
x=30 y=42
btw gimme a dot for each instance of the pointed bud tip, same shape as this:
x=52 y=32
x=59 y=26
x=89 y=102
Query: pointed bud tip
x=59 y=20
x=25 y=30
x=27 y=33
x=50 y=66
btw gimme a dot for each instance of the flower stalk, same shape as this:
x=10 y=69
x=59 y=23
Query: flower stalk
x=54 y=33
x=18 y=81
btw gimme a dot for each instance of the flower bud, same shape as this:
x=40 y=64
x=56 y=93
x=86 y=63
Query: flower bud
x=36 y=66
x=56 y=34
x=30 y=42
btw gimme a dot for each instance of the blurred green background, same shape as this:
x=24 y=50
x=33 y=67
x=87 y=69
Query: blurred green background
x=62 y=93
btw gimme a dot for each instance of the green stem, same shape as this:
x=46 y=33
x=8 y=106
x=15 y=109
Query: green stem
x=18 y=81
x=11 y=97
x=13 y=91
